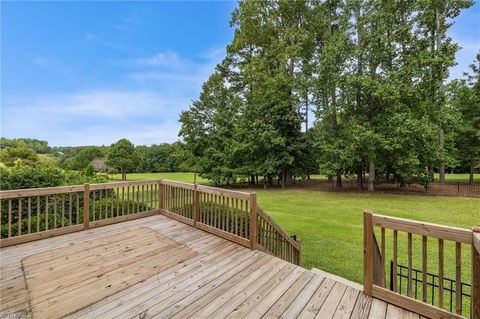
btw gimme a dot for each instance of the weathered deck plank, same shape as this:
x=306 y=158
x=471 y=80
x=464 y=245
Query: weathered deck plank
x=221 y=279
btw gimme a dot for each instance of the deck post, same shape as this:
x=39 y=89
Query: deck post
x=475 y=313
x=86 y=206
x=196 y=205
x=253 y=221
x=160 y=194
x=367 y=253
x=299 y=253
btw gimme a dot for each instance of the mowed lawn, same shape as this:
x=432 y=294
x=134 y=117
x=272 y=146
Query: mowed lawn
x=330 y=225
x=177 y=176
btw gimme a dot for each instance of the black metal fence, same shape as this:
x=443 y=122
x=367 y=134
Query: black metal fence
x=432 y=286
x=434 y=188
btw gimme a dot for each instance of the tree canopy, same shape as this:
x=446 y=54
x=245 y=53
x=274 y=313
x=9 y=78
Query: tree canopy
x=372 y=72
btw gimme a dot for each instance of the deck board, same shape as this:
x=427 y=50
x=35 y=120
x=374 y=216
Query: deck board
x=205 y=277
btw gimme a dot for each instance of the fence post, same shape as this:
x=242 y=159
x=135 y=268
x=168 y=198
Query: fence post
x=160 y=194
x=475 y=313
x=253 y=221
x=86 y=206
x=196 y=205
x=367 y=253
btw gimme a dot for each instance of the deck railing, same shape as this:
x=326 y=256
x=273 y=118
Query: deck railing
x=30 y=214
x=407 y=242
x=229 y=214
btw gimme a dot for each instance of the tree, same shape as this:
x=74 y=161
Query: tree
x=122 y=156
x=84 y=158
x=467 y=101
x=9 y=155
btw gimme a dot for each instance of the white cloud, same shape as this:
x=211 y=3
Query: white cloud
x=169 y=59
x=95 y=118
x=159 y=88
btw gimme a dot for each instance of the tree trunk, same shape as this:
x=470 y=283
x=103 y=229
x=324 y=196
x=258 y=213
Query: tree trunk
x=124 y=174
x=371 y=176
x=359 y=179
x=288 y=177
x=470 y=180
x=339 y=180
x=441 y=170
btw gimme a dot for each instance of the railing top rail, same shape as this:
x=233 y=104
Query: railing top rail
x=294 y=243
x=122 y=184
x=177 y=184
x=224 y=192
x=456 y=234
x=16 y=193
x=25 y=192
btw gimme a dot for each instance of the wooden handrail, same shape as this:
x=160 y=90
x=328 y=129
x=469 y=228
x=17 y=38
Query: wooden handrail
x=425 y=229
x=375 y=264
x=269 y=219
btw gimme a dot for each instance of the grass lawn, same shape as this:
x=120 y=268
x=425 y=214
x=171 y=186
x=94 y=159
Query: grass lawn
x=180 y=177
x=459 y=177
x=330 y=225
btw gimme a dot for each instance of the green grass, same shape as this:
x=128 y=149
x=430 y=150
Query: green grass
x=177 y=176
x=330 y=225
x=459 y=177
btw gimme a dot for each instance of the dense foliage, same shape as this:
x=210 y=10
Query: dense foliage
x=372 y=72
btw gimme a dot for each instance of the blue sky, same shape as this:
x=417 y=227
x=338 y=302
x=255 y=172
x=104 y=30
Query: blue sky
x=90 y=73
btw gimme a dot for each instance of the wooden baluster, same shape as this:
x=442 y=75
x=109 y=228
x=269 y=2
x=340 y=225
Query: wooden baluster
x=63 y=210
x=138 y=199
x=409 y=282
x=123 y=200
x=143 y=198
x=112 y=201
x=70 y=209
x=440 y=273
x=382 y=245
x=55 y=211
x=100 y=204
x=46 y=212
x=106 y=203
x=424 y=269
x=38 y=213
x=395 y=260
x=19 y=232
x=458 y=278
x=253 y=221
x=235 y=212
x=94 y=207
x=78 y=208
x=29 y=208
x=9 y=218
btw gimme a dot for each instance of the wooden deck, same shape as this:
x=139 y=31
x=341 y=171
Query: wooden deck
x=156 y=267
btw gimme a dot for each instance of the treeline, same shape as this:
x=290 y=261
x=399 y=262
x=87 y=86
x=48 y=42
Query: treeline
x=371 y=72
x=119 y=157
